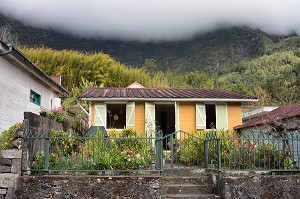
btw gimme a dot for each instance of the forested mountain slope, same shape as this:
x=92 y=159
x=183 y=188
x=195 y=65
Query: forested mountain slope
x=237 y=59
x=203 y=52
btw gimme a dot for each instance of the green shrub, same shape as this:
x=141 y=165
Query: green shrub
x=124 y=152
x=7 y=137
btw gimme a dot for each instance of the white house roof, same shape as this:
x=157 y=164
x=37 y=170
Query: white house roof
x=10 y=52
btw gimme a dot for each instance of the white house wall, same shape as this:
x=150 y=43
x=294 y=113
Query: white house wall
x=15 y=85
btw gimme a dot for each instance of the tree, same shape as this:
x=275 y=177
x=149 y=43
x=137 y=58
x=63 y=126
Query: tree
x=7 y=36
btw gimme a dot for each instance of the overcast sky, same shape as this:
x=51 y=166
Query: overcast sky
x=155 y=19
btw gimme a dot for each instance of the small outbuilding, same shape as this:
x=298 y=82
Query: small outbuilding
x=170 y=109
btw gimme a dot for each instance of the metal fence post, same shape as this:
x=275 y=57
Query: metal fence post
x=46 y=154
x=158 y=150
x=219 y=153
x=171 y=149
x=206 y=154
x=219 y=164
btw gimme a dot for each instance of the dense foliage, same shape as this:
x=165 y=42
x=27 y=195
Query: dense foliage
x=7 y=137
x=122 y=151
x=273 y=77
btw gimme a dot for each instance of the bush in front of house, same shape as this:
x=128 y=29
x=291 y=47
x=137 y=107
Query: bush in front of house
x=254 y=155
x=124 y=151
x=7 y=137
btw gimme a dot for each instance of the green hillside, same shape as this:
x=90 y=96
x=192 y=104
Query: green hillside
x=202 y=52
x=237 y=59
x=273 y=77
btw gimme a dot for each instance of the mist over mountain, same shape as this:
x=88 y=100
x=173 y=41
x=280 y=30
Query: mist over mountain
x=204 y=51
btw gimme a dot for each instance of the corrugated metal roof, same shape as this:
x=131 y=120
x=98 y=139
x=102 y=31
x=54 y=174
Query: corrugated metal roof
x=162 y=93
x=280 y=113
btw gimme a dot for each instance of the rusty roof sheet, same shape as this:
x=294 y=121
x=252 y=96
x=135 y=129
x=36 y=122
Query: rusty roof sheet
x=281 y=113
x=162 y=93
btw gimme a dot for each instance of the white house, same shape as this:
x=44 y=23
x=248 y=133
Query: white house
x=23 y=87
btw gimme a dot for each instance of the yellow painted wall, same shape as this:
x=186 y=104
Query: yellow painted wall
x=140 y=117
x=187 y=116
x=234 y=114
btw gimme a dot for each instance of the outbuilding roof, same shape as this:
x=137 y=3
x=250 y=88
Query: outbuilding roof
x=281 y=113
x=163 y=94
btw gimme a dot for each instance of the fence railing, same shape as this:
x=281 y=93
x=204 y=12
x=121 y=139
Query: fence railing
x=184 y=149
x=255 y=151
x=61 y=153
x=58 y=152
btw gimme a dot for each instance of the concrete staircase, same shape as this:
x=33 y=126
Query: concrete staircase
x=185 y=182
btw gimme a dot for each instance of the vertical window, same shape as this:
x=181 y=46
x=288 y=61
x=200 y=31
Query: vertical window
x=116 y=116
x=35 y=97
x=210 y=111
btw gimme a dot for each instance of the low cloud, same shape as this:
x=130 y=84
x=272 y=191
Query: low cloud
x=155 y=19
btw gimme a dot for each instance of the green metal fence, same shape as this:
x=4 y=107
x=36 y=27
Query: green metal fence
x=58 y=152
x=255 y=151
x=62 y=153
x=184 y=149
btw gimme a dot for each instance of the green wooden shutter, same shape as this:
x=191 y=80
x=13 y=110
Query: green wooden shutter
x=130 y=116
x=100 y=115
x=200 y=116
x=221 y=117
x=150 y=119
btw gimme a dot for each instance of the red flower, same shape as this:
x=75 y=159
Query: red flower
x=79 y=147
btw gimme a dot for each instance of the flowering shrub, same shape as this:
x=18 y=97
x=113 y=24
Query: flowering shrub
x=126 y=151
x=7 y=137
x=61 y=141
x=247 y=154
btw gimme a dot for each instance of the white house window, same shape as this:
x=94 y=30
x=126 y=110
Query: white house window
x=210 y=116
x=116 y=116
x=210 y=111
x=35 y=97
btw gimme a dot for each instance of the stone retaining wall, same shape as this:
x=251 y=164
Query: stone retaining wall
x=10 y=170
x=77 y=187
x=261 y=186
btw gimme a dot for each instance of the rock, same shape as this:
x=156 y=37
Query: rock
x=12 y=153
x=8 y=180
x=16 y=166
x=5 y=169
x=10 y=193
x=19 y=133
x=3 y=191
x=18 y=143
x=5 y=162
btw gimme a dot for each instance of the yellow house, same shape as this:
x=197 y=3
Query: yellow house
x=170 y=109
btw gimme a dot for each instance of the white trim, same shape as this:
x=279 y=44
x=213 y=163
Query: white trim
x=170 y=100
x=177 y=116
x=97 y=113
x=226 y=119
x=149 y=125
x=203 y=120
x=116 y=102
x=130 y=106
x=158 y=103
x=90 y=114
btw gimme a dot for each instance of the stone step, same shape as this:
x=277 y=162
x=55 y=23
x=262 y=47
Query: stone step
x=188 y=196
x=185 y=171
x=199 y=180
x=186 y=189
